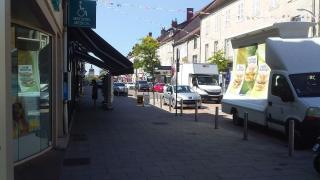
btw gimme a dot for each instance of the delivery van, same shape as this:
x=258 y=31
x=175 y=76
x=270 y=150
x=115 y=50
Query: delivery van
x=281 y=86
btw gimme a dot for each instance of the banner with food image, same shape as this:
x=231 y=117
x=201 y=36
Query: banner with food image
x=238 y=76
x=250 y=74
x=28 y=73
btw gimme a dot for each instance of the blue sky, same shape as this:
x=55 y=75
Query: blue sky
x=123 y=22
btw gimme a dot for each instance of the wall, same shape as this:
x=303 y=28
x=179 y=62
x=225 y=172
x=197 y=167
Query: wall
x=165 y=53
x=225 y=23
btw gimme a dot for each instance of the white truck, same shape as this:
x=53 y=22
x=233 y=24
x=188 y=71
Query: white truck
x=203 y=78
x=275 y=82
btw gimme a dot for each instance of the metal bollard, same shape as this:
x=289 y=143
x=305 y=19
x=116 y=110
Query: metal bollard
x=142 y=99
x=160 y=102
x=157 y=97
x=196 y=112
x=216 y=117
x=291 y=137
x=181 y=107
x=170 y=104
x=154 y=99
x=245 y=126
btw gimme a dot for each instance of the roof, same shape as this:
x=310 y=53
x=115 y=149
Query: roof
x=191 y=30
x=167 y=36
x=291 y=54
x=105 y=56
x=214 y=6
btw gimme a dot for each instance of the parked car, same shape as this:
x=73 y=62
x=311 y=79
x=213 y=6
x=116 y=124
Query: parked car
x=184 y=92
x=130 y=85
x=120 y=88
x=159 y=87
x=142 y=85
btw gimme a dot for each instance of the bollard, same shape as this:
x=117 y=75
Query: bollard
x=160 y=102
x=216 y=118
x=196 y=112
x=181 y=107
x=135 y=92
x=143 y=100
x=291 y=137
x=157 y=97
x=154 y=99
x=245 y=126
x=170 y=103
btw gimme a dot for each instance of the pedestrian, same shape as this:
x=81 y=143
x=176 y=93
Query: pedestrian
x=94 y=91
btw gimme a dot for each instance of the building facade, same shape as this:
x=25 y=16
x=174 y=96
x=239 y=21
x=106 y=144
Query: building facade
x=32 y=58
x=231 y=18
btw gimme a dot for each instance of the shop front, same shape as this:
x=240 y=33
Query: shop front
x=35 y=88
x=31 y=87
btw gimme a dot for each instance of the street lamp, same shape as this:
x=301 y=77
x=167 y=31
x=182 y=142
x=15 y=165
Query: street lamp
x=313 y=20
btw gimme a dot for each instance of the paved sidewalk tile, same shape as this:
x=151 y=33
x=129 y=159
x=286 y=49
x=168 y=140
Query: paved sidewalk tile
x=147 y=143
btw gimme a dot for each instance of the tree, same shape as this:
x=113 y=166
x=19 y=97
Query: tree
x=220 y=60
x=145 y=55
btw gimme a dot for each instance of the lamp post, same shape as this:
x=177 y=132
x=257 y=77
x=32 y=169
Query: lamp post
x=314 y=31
x=177 y=70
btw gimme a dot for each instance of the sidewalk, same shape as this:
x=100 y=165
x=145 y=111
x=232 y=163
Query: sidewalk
x=147 y=143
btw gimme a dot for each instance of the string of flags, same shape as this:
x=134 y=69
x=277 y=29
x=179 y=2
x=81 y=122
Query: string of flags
x=118 y=7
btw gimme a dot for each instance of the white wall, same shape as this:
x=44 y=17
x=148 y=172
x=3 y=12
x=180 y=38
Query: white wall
x=226 y=23
x=165 y=53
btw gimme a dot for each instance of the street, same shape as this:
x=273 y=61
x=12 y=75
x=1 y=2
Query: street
x=149 y=143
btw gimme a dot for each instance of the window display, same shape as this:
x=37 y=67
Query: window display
x=31 y=86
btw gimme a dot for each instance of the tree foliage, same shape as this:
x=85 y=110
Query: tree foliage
x=145 y=54
x=220 y=60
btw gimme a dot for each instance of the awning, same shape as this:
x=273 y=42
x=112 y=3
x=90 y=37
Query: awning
x=86 y=41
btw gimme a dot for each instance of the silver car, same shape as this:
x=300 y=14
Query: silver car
x=120 y=88
x=184 y=92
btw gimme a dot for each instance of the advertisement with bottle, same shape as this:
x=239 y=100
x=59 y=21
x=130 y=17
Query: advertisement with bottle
x=250 y=74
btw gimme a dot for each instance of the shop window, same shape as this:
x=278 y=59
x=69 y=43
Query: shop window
x=31 y=91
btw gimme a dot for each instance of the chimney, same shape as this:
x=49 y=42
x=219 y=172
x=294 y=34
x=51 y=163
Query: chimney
x=189 y=14
x=163 y=31
x=174 y=23
x=150 y=34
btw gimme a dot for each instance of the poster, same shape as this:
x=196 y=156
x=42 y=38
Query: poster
x=250 y=75
x=26 y=108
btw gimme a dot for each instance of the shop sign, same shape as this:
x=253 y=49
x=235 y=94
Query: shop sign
x=82 y=13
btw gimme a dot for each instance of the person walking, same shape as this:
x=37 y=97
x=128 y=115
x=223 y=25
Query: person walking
x=94 y=91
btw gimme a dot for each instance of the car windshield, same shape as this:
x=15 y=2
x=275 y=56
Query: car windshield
x=207 y=80
x=119 y=84
x=183 y=89
x=307 y=84
x=160 y=84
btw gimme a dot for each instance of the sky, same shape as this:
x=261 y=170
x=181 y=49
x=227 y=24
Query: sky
x=122 y=23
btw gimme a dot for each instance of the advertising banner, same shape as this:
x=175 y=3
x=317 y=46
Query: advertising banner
x=250 y=74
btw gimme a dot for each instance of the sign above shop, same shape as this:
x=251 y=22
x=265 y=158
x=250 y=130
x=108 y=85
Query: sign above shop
x=82 y=13
x=56 y=4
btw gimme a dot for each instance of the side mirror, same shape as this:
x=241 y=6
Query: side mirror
x=195 y=84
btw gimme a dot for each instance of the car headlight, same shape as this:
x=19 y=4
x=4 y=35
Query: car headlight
x=313 y=113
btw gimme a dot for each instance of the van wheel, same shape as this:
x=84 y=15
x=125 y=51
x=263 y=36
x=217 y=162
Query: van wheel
x=235 y=118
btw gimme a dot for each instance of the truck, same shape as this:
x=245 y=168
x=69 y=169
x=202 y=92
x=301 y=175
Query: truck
x=203 y=78
x=275 y=82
